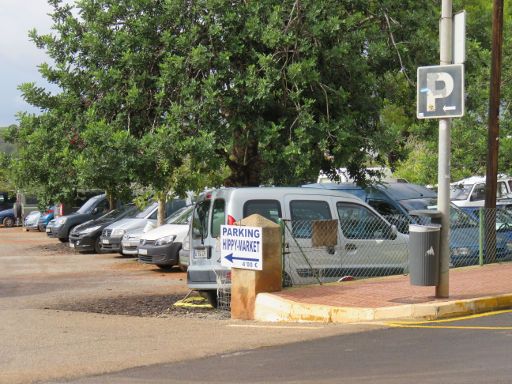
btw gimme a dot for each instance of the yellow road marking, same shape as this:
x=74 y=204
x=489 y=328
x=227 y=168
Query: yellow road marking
x=477 y=315
x=424 y=324
x=448 y=327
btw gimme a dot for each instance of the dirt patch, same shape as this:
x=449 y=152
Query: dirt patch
x=161 y=306
x=52 y=249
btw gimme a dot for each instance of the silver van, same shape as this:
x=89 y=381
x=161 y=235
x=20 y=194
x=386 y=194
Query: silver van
x=363 y=240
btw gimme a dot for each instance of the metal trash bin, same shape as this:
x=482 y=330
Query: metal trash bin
x=424 y=254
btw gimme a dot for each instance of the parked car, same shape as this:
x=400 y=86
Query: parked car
x=93 y=208
x=46 y=217
x=7 y=217
x=31 y=221
x=7 y=199
x=161 y=246
x=131 y=240
x=112 y=235
x=396 y=201
x=184 y=255
x=356 y=250
x=470 y=192
x=86 y=237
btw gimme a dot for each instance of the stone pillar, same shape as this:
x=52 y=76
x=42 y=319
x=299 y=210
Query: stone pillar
x=246 y=284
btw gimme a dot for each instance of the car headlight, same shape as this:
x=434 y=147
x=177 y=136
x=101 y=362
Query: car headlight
x=461 y=251
x=61 y=221
x=90 y=229
x=118 y=232
x=165 y=240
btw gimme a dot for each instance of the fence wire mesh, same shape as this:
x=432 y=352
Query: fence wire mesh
x=318 y=251
x=223 y=290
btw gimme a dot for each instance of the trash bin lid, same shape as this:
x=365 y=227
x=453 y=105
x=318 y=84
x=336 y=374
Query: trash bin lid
x=424 y=228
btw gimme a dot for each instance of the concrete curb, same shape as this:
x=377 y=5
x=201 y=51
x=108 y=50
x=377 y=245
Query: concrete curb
x=269 y=307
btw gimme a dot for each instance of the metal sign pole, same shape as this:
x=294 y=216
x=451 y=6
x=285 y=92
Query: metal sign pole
x=443 y=177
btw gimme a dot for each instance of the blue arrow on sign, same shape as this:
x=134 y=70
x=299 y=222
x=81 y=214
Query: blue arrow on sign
x=230 y=258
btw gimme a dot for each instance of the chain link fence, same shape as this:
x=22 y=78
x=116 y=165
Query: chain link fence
x=320 y=251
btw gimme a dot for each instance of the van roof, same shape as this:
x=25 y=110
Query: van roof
x=398 y=191
x=268 y=192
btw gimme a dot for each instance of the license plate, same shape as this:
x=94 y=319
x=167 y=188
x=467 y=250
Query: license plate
x=143 y=251
x=200 y=253
x=105 y=241
x=71 y=245
x=48 y=230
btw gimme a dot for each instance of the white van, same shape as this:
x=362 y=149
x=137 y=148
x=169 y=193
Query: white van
x=375 y=246
x=470 y=192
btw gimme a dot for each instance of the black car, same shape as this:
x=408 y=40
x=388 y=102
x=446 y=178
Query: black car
x=86 y=237
x=93 y=208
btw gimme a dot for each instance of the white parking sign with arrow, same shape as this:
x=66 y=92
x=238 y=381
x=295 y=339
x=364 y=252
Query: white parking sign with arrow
x=241 y=247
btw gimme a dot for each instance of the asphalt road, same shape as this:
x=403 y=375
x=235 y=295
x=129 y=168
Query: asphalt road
x=476 y=349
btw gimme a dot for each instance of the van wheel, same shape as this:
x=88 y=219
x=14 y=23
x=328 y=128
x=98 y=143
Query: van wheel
x=211 y=296
x=8 y=222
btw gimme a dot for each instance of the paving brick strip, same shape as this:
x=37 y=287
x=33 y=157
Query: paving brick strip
x=472 y=290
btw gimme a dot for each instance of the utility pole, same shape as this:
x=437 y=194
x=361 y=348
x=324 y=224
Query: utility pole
x=493 y=131
x=443 y=176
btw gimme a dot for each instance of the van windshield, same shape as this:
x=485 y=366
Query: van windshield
x=460 y=192
x=89 y=204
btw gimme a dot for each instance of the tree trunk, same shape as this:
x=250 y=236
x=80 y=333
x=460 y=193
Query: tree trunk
x=245 y=161
x=161 y=210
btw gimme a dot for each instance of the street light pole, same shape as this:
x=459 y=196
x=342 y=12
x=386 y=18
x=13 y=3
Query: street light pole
x=443 y=177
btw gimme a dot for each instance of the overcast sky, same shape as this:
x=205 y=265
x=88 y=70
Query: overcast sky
x=19 y=57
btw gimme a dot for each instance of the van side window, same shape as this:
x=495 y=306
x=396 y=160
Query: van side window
x=501 y=190
x=358 y=222
x=200 y=220
x=270 y=209
x=218 y=217
x=478 y=192
x=303 y=212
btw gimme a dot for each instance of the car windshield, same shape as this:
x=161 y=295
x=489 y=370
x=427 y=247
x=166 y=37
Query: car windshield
x=146 y=211
x=458 y=218
x=181 y=216
x=118 y=212
x=88 y=206
x=460 y=191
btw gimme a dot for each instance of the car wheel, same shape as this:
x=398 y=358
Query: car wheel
x=8 y=222
x=97 y=246
x=62 y=240
x=164 y=267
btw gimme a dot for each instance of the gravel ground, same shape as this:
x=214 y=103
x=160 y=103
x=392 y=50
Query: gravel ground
x=161 y=306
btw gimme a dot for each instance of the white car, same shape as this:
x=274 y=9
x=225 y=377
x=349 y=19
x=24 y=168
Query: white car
x=161 y=246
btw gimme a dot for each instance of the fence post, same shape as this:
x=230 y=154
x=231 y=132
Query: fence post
x=481 y=236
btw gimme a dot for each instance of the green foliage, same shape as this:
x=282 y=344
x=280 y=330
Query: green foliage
x=178 y=95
